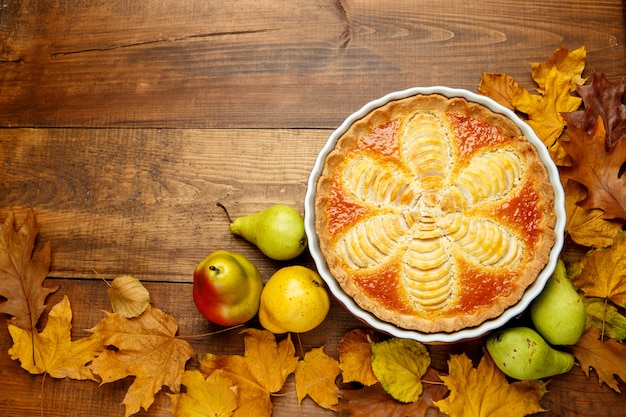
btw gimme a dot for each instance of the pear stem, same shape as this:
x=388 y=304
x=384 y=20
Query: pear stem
x=225 y=211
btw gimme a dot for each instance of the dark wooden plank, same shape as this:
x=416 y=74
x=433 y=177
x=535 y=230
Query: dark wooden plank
x=143 y=202
x=272 y=64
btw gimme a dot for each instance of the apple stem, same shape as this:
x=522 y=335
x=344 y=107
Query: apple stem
x=225 y=211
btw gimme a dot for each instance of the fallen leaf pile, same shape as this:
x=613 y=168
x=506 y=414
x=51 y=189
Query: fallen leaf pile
x=582 y=125
x=584 y=128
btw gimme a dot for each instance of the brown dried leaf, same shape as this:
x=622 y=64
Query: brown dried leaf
x=602 y=98
x=375 y=401
x=145 y=347
x=606 y=357
x=22 y=273
x=598 y=170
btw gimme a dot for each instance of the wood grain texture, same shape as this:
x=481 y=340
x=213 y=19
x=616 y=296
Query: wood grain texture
x=143 y=202
x=122 y=123
x=279 y=64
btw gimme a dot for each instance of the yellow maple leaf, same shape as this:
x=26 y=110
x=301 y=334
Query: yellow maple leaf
x=485 y=392
x=214 y=396
x=399 y=365
x=556 y=79
x=262 y=370
x=603 y=272
x=586 y=226
x=147 y=348
x=355 y=357
x=52 y=351
x=315 y=377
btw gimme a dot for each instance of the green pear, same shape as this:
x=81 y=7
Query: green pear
x=558 y=313
x=521 y=353
x=278 y=231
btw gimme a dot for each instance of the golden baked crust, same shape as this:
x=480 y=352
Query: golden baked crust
x=434 y=214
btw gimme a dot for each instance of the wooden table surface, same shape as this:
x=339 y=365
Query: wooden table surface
x=122 y=123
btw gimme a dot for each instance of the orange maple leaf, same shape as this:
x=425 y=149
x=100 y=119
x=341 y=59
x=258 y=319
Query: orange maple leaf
x=355 y=357
x=315 y=377
x=603 y=272
x=22 y=273
x=556 y=78
x=485 y=391
x=261 y=372
x=606 y=357
x=145 y=347
x=375 y=401
x=52 y=351
x=598 y=170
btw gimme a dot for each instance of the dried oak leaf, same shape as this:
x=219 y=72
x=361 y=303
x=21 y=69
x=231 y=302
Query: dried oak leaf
x=557 y=79
x=603 y=272
x=145 y=347
x=586 y=226
x=215 y=396
x=399 y=365
x=602 y=98
x=595 y=168
x=260 y=372
x=52 y=351
x=375 y=401
x=485 y=391
x=23 y=272
x=606 y=357
x=315 y=377
x=129 y=298
x=355 y=357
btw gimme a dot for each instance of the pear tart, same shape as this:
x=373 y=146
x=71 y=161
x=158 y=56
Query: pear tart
x=434 y=213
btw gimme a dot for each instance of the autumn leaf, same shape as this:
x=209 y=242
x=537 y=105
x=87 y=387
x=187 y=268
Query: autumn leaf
x=375 y=401
x=605 y=317
x=355 y=357
x=604 y=99
x=606 y=357
x=603 y=272
x=215 y=396
x=129 y=298
x=315 y=377
x=499 y=87
x=260 y=372
x=557 y=79
x=399 y=365
x=145 y=347
x=485 y=392
x=595 y=168
x=52 y=350
x=587 y=226
x=23 y=272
